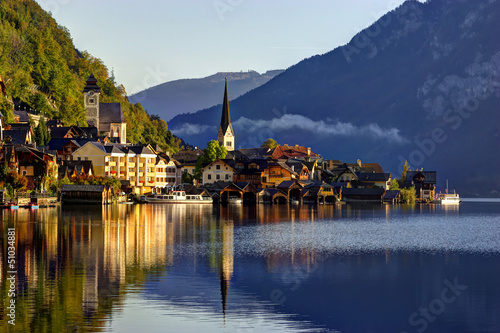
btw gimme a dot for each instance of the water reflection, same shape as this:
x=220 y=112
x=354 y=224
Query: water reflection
x=290 y=269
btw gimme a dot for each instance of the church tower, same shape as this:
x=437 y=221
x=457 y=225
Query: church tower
x=91 y=101
x=226 y=133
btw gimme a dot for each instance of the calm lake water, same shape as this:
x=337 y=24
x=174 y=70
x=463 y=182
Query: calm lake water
x=175 y=268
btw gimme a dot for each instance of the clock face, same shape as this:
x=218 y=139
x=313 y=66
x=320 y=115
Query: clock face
x=91 y=93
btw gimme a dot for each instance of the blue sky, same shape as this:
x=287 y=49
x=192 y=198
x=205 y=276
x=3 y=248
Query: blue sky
x=150 y=42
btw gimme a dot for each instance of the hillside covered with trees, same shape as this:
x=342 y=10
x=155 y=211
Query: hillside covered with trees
x=40 y=66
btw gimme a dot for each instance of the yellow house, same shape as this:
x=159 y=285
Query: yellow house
x=95 y=152
x=135 y=163
x=218 y=170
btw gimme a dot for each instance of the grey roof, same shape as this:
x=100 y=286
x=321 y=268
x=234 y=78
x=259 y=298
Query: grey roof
x=17 y=135
x=23 y=116
x=391 y=194
x=287 y=184
x=110 y=148
x=255 y=153
x=59 y=143
x=83 y=188
x=373 y=177
x=139 y=149
x=111 y=113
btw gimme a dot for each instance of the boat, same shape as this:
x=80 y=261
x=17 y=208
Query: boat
x=11 y=205
x=235 y=201
x=33 y=205
x=179 y=197
x=447 y=198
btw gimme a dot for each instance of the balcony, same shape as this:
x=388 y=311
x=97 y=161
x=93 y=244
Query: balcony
x=131 y=165
x=150 y=174
x=112 y=163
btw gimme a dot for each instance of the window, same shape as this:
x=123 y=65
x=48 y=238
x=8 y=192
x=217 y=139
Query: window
x=86 y=158
x=79 y=158
x=217 y=167
x=25 y=173
x=227 y=176
x=209 y=177
x=217 y=177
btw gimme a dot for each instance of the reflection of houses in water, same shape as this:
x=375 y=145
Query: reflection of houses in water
x=88 y=253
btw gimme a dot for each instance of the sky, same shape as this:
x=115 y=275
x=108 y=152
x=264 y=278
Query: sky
x=148 y=42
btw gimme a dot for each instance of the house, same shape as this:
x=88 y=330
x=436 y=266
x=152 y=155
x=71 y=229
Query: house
x=18 y=133
x=168 y=173
x=65 y=147
x=188 y=158
x=33 y=163
x=136 y=163
x=347 y=175
x=276 y=172
x=292 y=189
x=218 y=170
x=272 y=195
x=424 y=182
x=392 y=196
x=319 y=192
x=86 y=194
x=369 y=180
x=75 y=168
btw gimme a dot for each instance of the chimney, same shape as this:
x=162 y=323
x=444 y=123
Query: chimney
x=308 y=151
x=330 y=164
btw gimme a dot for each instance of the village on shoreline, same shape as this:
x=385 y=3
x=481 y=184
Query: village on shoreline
x=97 y=164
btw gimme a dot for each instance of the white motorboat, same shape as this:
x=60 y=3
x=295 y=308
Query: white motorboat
x=179 y=197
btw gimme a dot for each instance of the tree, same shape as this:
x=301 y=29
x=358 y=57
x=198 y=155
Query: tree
x=406 y=168
x=409 y=195
x=187 y=178
x=270 y=143
x=212 y=152
x=394 y=185
x=42 y=134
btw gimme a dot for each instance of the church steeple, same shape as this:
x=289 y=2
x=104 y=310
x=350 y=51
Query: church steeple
x=226 y=132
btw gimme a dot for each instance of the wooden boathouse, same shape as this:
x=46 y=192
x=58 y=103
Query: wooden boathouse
x=85 y=194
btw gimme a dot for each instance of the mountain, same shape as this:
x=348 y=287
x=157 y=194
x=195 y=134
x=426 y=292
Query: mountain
x=41 y=69
x=186 y=96
x=420 y=84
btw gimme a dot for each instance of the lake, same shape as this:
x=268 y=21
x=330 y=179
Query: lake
x=181 y=268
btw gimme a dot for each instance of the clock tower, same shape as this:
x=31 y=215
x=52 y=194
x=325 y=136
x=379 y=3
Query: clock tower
x=226 y=132
x=91 y=101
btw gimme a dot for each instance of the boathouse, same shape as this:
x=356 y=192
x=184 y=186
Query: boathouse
x=85 y=194
x=363 y=194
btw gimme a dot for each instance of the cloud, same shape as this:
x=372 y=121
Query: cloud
x=192 y=129
x=329 y=127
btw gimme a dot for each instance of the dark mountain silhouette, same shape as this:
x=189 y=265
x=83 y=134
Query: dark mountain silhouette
x=421 y=84
x=186 y=96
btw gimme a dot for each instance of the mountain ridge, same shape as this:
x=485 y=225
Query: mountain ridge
x=189 y=95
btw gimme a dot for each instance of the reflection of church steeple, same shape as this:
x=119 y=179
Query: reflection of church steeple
x=226 y=261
